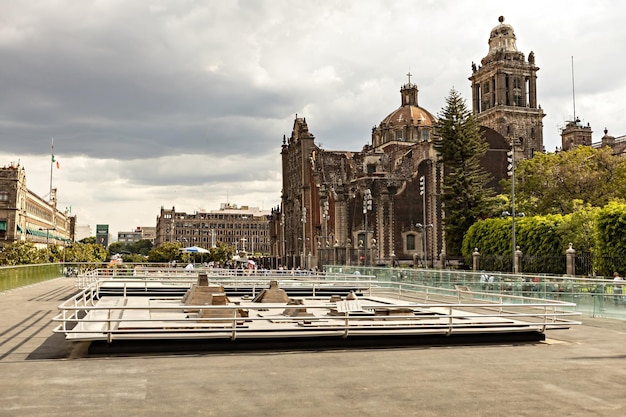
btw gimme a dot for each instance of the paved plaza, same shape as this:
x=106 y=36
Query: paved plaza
x=576 y=372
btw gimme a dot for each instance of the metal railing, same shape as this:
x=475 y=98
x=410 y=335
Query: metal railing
x=594 y=297
x=382 y=308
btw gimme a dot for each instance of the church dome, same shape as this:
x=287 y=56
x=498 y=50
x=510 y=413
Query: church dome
x=502 y=38
x=409 y=112
x=409 y=115
x=409 y=123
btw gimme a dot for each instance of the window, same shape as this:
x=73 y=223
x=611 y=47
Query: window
x=4 y=196
x=360 y=239
x=410 y=242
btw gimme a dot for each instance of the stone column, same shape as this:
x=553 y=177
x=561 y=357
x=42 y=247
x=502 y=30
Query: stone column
x=532 y=91
x=341 y=218
x=518 y=260
x=475 y=260
x=570 y=258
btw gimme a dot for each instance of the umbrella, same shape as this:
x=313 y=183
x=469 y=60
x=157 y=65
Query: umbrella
x=195 y=249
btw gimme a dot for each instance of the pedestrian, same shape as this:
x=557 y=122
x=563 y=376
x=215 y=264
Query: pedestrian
x=618 y=282
x=483 y=280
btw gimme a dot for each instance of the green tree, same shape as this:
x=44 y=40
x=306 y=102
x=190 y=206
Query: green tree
x=85 y=252
x=21 y=253
x=222 y=253
x=167 y=252
x=460 y=146
x=141 y=247
x=91 y=239
x=538 y=236
x=579 y=228
x=117 y=247
x=554 y=183
x=611 y=239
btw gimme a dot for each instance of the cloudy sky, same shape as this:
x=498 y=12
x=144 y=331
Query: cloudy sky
x=185 y=103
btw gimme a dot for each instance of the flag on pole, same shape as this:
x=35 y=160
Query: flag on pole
x=55 y=162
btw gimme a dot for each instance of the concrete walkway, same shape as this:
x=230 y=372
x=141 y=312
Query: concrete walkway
x=576 y=372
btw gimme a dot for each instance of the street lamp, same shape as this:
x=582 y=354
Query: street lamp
x=425 y=238
x=367 y=206
x=424 y=228
x=47 y=229
x=510 y=156
x=282 y=227
x=303 y=220
x=511 y=171
x=325 y=207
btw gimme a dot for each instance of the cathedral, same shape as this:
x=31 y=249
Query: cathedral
x=381 y=205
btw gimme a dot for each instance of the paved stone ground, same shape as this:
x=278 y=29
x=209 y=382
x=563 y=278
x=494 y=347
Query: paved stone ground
x=576 y=372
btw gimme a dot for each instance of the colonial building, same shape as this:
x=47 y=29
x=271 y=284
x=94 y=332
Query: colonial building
x=576 y=134
x=504 y=92
x=618 y=144
x=24 y=216
x=245 y=228
x=382 y=205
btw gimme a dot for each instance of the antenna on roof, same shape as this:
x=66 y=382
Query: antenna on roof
x=573 y=91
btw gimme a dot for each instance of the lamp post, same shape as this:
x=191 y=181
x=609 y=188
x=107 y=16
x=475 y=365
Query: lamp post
x=282 y=227
x=303 y=220
x=367 y=206
x=325 y=230
x=510 y=156
x=424 y=228
x=47 y=229
x=511 y=172
x=424 y=236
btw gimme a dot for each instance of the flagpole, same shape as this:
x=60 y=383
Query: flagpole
x=51 y=164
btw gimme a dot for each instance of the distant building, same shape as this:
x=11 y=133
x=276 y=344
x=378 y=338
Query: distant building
x=245 y=228
x=148 y=233
x=129 y=238
x=618 y=144
x=24 y=216
x=83 y=231
x=140 y=233
x=576 y=134
x=102 y=235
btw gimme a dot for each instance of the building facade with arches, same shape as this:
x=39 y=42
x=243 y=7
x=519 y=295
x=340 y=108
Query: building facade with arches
x=382 y=205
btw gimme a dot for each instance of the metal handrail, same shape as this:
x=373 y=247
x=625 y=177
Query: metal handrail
x=80 y=311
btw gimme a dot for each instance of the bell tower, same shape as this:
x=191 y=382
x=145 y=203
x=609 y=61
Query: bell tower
x=504 y=92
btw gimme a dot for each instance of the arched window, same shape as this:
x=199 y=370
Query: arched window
x=410 y=242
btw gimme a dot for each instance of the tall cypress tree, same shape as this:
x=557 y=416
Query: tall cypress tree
x=460 y=146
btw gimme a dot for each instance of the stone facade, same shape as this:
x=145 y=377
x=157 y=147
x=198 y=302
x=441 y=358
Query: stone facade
x=245 y=228
x=504 y=92
x=381 y=205
x=24 y=216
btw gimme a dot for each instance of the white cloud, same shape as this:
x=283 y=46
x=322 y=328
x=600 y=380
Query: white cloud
x=183 y=103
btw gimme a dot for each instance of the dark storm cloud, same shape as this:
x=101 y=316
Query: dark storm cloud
x=158 y=102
